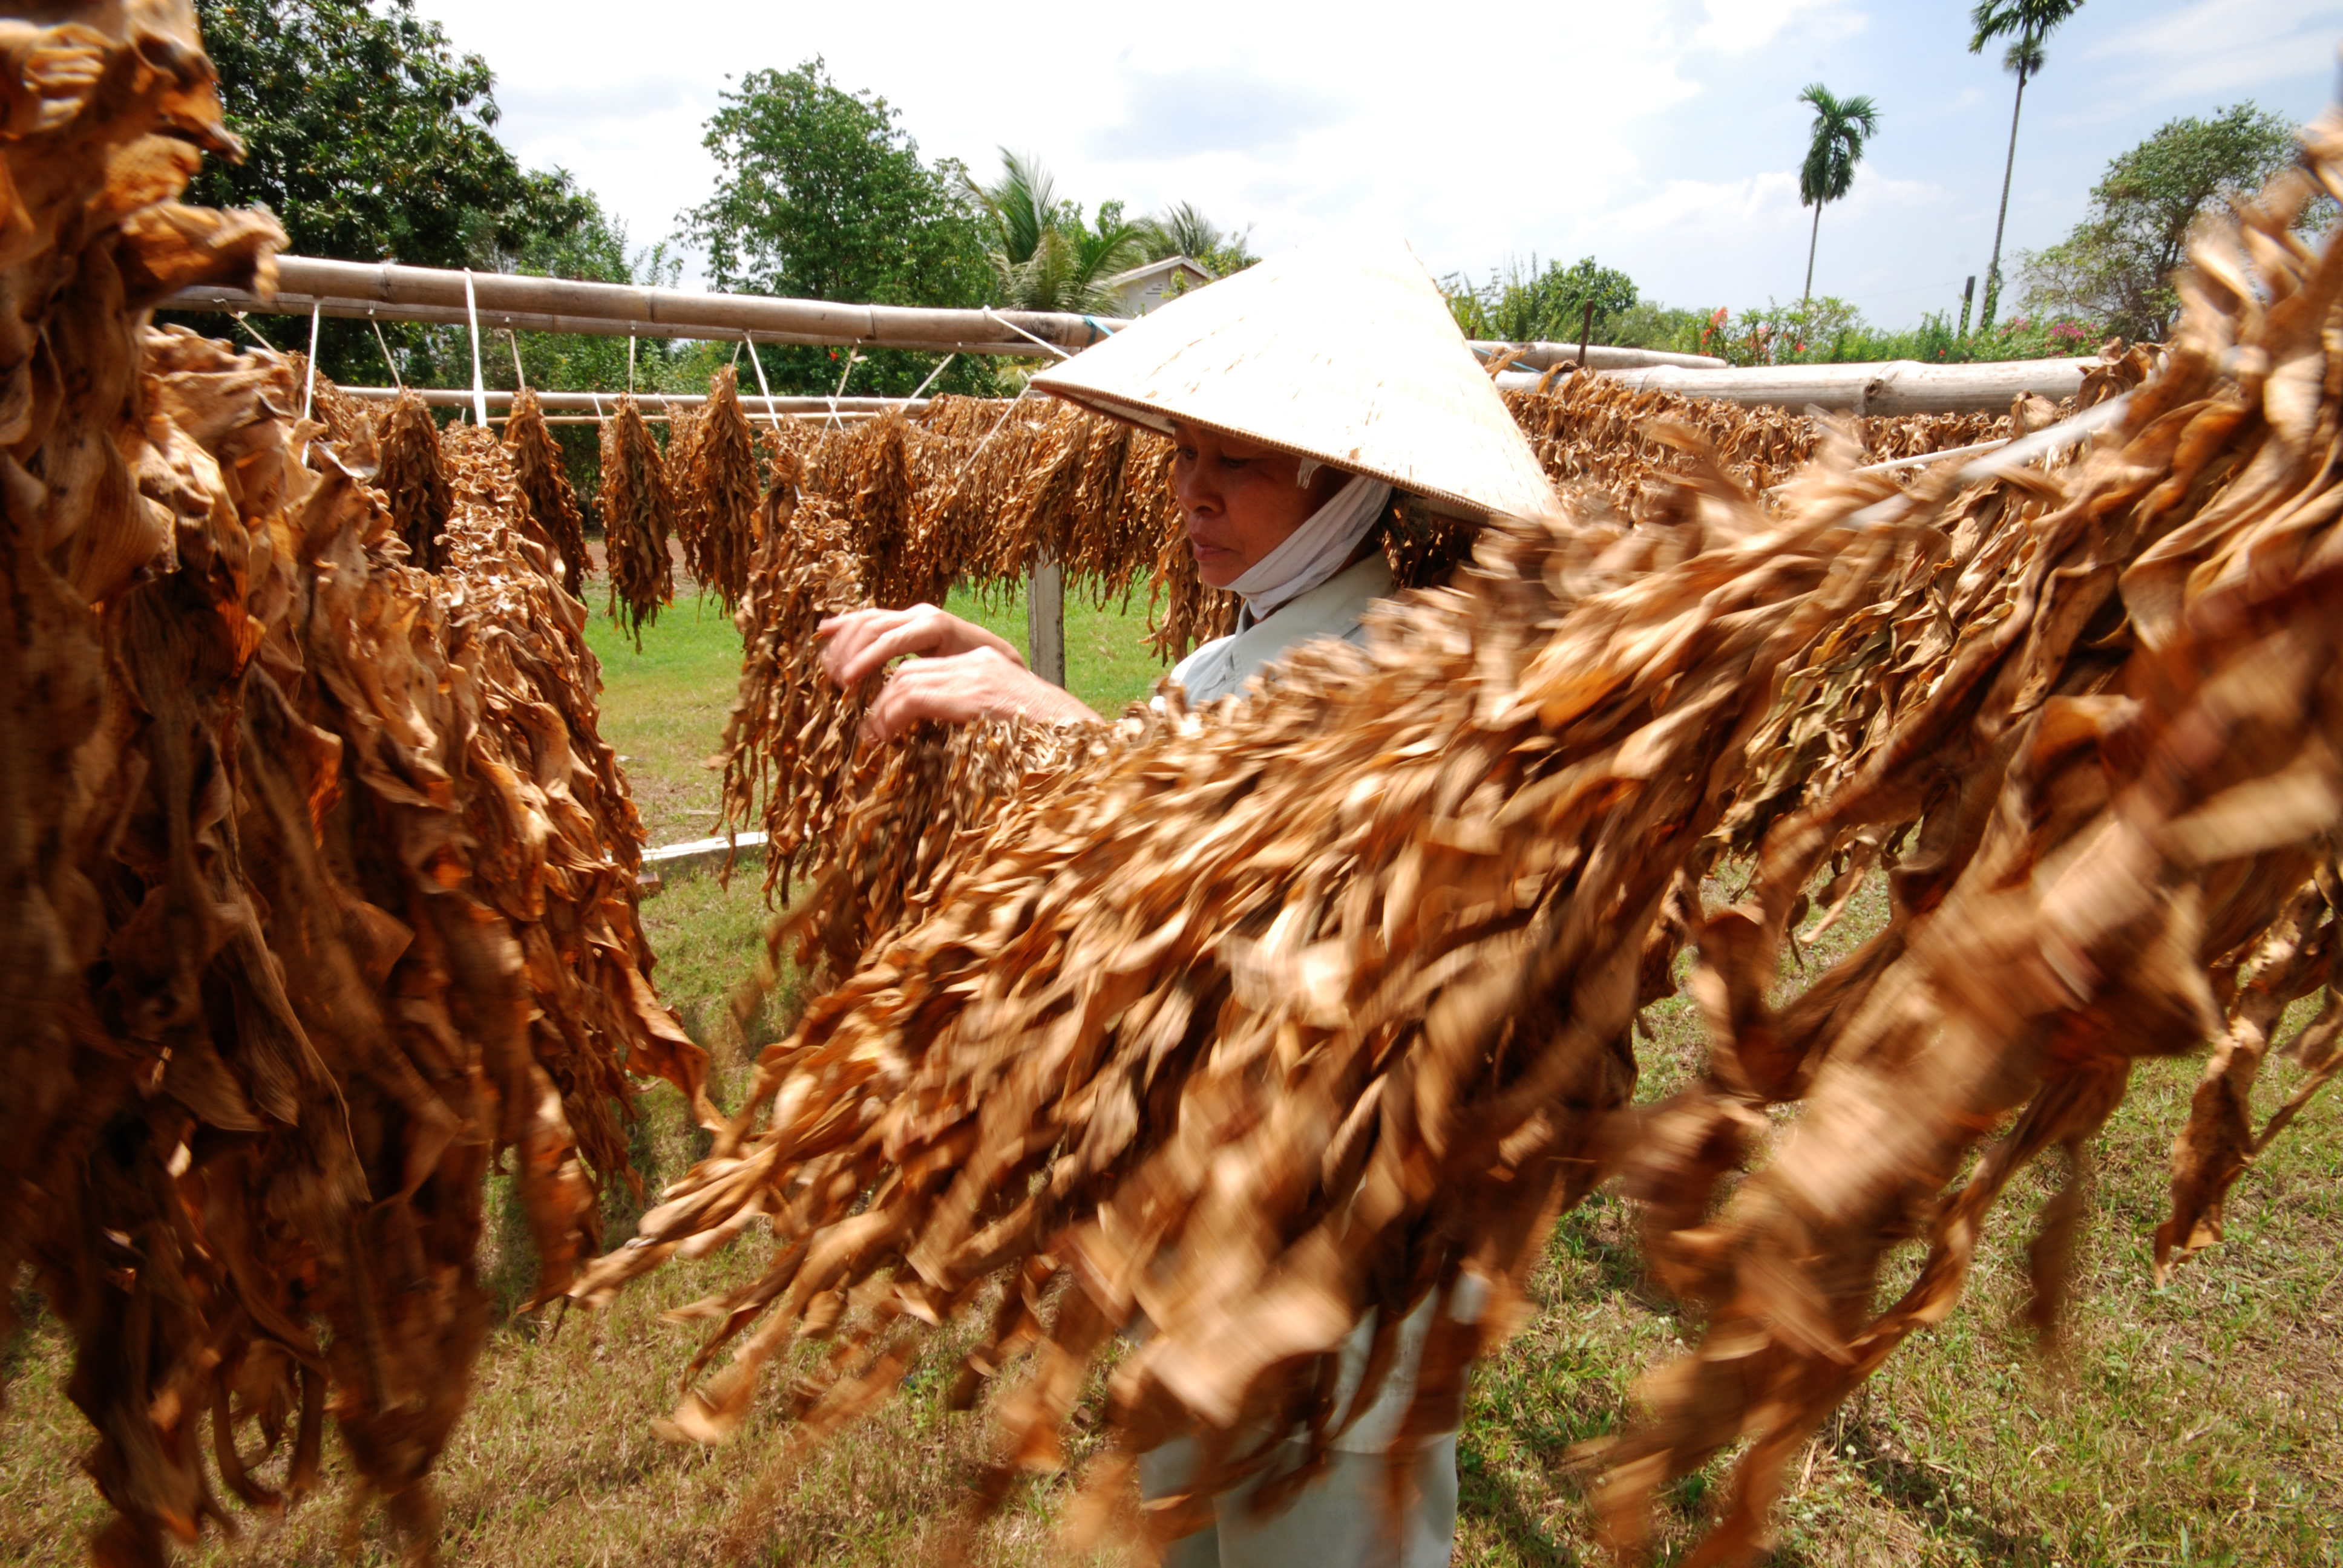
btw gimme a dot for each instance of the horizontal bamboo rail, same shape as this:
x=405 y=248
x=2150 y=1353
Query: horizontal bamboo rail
x=1599 y=356
x=1896 y=387
x=390 y=292
x=591 y=403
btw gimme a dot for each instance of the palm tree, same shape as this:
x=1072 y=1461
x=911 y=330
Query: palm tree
x=1047 y=258
x=1841 y=127
x=1181 y=230
x=2029 y=23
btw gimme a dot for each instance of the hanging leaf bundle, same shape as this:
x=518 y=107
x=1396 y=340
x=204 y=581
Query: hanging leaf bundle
x=413 y=473
x=718 y=499
x=2122 y=795
x=638 y=517
x=545 y=488
x=1263 y=1023
x=320 y=883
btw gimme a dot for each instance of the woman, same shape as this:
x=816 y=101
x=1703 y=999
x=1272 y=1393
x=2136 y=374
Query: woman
x=1296 y=538
x=1301 y=396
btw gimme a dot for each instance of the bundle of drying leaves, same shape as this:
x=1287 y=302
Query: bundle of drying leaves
x=545 y=486
x=1258 y=1024
x=414 y=475
x=717 y=491
x=319 y=883
x=637 y=518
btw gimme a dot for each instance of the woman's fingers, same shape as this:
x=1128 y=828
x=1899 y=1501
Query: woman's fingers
x=982 y=683
x=857 y=644
x=955 y=689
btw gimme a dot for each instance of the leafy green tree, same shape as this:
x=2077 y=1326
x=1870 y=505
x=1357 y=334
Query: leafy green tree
x=1044 y=255
x=1525 y=305
x=2027 y=23
x=1834 y=146
x=2116 y=265
x=822 y=195
x=371 y=139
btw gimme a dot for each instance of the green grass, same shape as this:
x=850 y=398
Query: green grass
x=1108 y=663
x=2202 y=1423
x=664 y=704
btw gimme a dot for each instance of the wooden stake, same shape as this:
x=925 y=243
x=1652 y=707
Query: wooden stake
x=1045 y=622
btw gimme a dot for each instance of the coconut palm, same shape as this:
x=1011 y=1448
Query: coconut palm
x=1181 y=229
x=2026 y=23
x=1841 y=127
x=1047 y=259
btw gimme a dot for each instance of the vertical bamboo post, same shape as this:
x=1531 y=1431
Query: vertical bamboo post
x=1045 y=621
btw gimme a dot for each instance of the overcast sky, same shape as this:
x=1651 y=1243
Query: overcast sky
x=1662 y=136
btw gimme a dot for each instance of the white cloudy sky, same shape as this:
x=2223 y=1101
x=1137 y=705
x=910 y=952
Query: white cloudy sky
x=1661 y=135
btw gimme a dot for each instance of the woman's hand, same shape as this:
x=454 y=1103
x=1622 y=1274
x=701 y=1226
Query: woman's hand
x=858 y=645
x=962 y=673
x=962 y=687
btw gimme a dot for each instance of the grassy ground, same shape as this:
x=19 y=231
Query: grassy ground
x=2195 y=1424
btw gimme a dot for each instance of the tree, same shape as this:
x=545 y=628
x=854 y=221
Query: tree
x=822 y=195
x=1044 y=255
x=371 y=139
x=2027 y=23
x=2116 y=265
x=1181 y=229
x=1527 y=306
x=1834 y=146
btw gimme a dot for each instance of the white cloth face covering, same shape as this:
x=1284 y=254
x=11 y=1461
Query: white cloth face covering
x=1317 y=550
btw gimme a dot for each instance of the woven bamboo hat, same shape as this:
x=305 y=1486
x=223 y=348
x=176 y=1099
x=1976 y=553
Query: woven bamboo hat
x=1346 y=354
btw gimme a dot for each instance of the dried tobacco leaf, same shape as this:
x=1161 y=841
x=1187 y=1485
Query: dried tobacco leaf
x=717 y=501
x=321 y=886
x=545 y=488
x=1258 y=1022
x=412 y=473
x=637 y=518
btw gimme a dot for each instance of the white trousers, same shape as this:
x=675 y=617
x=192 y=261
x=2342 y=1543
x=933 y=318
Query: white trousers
x=1338 y=1520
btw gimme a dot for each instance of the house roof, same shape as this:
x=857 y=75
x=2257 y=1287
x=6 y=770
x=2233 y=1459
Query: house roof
x=1169 y=264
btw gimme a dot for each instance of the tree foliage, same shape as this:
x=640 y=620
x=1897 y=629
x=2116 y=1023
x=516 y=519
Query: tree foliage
x=1183 y=229
x=371 y=139
x=1526 y=304
x=1835 y=143
x=2116 y=265
x=2027 y=23
x=821 y=194
x=1834 y=146
x=1044 y=255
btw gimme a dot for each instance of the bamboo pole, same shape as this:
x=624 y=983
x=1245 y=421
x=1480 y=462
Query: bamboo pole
x=389 y=291
x=1897 y=386
x=584 y=402
x=1542 y=355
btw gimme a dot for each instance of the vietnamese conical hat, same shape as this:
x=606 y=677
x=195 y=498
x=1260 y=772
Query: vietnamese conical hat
x=1343 y=353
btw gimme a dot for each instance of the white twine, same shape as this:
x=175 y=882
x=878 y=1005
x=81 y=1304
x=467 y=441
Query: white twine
x=852 y=354
x=520 y=376
x=248 y=326
x=631 y=362
x=758 y=360
x=387 y=362
x=933 y=374
x=1004 y=321
x=309 y=386
x=479 y=387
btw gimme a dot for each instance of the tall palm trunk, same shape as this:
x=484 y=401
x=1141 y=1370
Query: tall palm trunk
x=1811 y=240
x=1993 y=270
